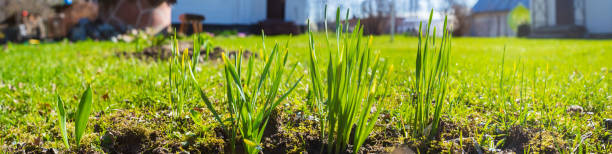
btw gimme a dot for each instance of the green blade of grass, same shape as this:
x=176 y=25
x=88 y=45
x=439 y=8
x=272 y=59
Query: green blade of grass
x=82 y=115
x=235 y=76
x=431 y=81
x=62 y=120
x=196 y=116
x=207 y=102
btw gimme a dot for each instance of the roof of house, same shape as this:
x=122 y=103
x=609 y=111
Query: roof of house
x=483 y=6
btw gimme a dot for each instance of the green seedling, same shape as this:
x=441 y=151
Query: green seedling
x=350 y=90
x=250 y=104
x=181 y=66
x=82 y=116
x=431 y=82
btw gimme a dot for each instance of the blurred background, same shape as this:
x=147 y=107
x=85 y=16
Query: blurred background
x=48 y=20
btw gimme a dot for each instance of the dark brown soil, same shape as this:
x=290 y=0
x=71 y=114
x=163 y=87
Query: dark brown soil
x=304 y=137
x=137 y=132
x=127 y=140
x=518 y=138
x=379 y=140
x=298 y=134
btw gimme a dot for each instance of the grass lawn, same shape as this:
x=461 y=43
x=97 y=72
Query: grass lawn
x=556 y=95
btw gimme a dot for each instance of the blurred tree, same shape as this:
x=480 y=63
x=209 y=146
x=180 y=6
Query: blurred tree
x=459 y=14
x=518 y=16
x=376 y=16
x=461 y=22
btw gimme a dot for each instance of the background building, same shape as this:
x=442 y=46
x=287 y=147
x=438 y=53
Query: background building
x=571 y=18
x=490 y=18
x=246 y=15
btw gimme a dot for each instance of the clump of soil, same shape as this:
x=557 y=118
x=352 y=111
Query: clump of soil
x=297 y=133
x=517 y=139
x=164 y=52
x=30 y=148
x=447 y=139
x=381 y=141
x=127 y=140
x=546 y=142
x=404 y=149
x=136 y=132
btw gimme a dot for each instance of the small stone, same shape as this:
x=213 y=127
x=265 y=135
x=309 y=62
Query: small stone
x=184 y=152
x=575 y=109
x=126 y=38
x=403 y=149
x=311 y=118
x=49 y=151
x=161 y=150
x=608 y=123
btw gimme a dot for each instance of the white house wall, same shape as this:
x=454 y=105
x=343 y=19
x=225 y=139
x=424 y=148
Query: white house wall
x=483 y=25
x=579 y=12
x=226 y=12
x=599 y=16
x=538 y=11
x=297 y=11
x=552 y=15
x=542 y=13
x=491 y=25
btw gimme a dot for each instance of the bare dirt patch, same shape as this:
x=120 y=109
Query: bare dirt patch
x=164 y=52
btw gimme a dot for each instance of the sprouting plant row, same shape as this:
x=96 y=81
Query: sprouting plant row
x=353 y=74
x=431 y=81
x=181 y=68
x=348 y=96
x=345 y=96
x=250 y=103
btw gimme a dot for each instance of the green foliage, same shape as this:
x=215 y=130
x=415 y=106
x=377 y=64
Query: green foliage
x=180 y=72
x=518 y=16
x=82 y=116
x=431 y=82
x=62 y=120
x=225 y=32
x=350 y=93
x=558 y=73
x=250 y=109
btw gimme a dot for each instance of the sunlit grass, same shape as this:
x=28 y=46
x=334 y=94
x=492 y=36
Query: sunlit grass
x=552 y=75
